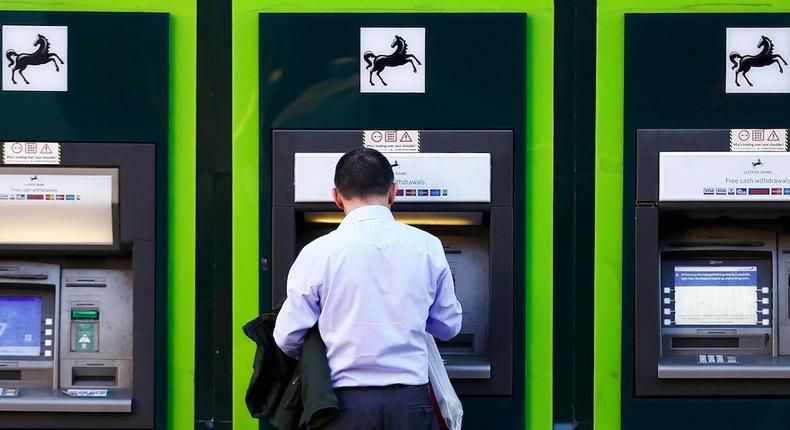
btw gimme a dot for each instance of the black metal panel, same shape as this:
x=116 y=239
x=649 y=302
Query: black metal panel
x=675 y=72
x=112 y=102
x=644 y=286
x=318 y=89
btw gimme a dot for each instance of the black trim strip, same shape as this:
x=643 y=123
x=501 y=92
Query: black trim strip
x=213 y=296
x=574 y=206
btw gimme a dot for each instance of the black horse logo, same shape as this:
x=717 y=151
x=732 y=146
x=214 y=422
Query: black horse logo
x=397 y=58
x=41 y=56
x=34 y=178
x=757 y=163
x=766 y=57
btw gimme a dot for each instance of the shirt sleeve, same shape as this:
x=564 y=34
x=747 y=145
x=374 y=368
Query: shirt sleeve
x=444 y=315
x=302 y=307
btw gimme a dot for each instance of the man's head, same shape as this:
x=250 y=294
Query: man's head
x=363 y=176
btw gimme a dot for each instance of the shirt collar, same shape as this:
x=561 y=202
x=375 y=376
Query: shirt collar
x=367 y=213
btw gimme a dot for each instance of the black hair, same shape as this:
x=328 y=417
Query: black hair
x=363 y=172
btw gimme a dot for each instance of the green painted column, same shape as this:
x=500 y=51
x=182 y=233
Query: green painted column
x=539 y=177
x=609 y=184
x=181 y=182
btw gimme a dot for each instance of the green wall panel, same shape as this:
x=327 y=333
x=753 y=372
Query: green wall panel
x=181 y=207
x=609 y=184
x=539 y=141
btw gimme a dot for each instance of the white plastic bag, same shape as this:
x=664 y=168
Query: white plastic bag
x=449 y=403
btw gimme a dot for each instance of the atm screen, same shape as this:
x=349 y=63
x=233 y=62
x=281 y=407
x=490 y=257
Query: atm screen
x=20 y=326
x=720 y=295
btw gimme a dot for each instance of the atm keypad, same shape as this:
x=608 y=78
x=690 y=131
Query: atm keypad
x=717 y=359
x=9 y=392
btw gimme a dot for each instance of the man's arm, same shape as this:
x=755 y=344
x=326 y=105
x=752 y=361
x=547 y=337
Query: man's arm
x=444 y=315
x=301 y=309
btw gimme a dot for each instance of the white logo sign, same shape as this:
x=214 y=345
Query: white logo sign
x=392 y=60
x=756 y=60
x=36 y=58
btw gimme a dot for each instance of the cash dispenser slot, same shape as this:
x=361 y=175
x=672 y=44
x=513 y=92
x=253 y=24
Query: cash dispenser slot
x=94 y=375
x=10 y=375
x=464 y=342
x=705 y=342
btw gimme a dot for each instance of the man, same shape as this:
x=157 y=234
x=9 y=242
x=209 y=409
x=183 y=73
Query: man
x=374 y=286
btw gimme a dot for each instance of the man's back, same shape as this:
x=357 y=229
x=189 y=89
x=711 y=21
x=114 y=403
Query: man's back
x=378 y=285
x=374 y=286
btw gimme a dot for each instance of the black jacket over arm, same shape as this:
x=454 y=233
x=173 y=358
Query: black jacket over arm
x=294 y=394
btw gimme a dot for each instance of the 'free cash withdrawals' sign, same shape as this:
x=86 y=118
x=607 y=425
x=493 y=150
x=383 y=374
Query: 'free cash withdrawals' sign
x=421 y=177
x=724 y=176
x=52 y=209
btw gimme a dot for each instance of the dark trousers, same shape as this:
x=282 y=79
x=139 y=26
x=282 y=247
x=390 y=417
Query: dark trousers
x=397 y=407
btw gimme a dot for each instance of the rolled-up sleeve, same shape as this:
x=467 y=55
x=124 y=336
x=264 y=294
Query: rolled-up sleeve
x=445 y=314
x=302 y=307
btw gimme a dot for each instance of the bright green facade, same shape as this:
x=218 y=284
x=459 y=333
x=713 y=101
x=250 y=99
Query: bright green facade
x=609 y=183
x=181 y=252
x=540 y=95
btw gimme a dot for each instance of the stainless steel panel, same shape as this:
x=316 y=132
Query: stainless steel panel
x=110 y=292
x=41 y=400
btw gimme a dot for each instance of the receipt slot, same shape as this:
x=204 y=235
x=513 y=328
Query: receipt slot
x=459 y=187
x=712 y=267
x=77 y=289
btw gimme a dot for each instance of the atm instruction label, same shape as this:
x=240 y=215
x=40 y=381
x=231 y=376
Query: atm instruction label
x=758 y=139
x=35 y=153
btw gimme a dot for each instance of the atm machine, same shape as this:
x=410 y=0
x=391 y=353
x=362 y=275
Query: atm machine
x=457 y=185
x=712 y=267
x=77 y=260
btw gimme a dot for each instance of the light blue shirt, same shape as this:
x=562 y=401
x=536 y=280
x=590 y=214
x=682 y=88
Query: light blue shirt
x=375 y=286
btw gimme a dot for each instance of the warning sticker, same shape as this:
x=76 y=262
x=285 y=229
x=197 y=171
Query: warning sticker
x=392 y=140
x=758 y=139
x=31 y=153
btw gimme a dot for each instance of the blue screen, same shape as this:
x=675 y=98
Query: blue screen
x=20 y=326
